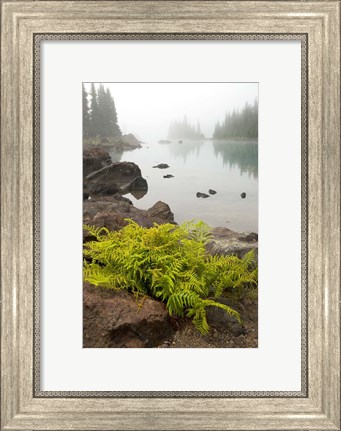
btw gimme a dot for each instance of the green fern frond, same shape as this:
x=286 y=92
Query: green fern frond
x=169 y=263
x=199 y=318
x=229 y=310
x=95 y=231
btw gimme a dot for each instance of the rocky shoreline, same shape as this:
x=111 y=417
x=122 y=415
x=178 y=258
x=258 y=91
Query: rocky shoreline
x=116 y=319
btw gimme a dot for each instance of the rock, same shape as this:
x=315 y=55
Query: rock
x=160 y=210
x=202 y=195
x=131 y=140
x=221 y=320
x=85 y=196
x=122 y=177
x=111 y=215
x=243 y=195
x=138 y=194
x=121 y=143
x=138 y=184
x=212 y=192
x=115 y=319
x=168 y=176
x=226 y=242
x=102 y=189
x=112 y=211
x=127 y=142
x=161 y=166
x=94 y=158
x=180 y=141
x=121 y=198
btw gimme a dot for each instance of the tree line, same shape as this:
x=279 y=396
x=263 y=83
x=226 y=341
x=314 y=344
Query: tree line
x=239 y=124
x=183 y=129
x=99 y=113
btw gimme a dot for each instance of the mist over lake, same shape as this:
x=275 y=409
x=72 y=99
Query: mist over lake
x=227 y=167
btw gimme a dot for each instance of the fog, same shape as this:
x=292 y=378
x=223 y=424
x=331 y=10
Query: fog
x=147 y=109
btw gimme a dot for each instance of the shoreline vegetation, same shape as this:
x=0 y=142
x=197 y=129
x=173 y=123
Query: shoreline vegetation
x=149 y=282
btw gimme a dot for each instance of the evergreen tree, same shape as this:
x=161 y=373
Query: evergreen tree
x=102 y=121
x=115 y=129
x=239 y=124
x=94 y=114
x=86 y=113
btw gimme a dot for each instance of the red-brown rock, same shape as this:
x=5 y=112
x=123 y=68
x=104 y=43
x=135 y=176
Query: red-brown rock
x=94 y=158
x=116 y=319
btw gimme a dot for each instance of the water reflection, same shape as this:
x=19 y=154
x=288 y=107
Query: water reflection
x=185 y=149
x=198 y=166
x=138 y=194
x=242 y=154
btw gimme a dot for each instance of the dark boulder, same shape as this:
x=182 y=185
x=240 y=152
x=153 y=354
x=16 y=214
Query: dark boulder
x=122 y=177
x=102 y=189
x=94 y=158
x=138 y=184
x=221 y=320
x=243 y=195
x=212 y=192
x=120 y=198
x=168 y=176
x=116 y=319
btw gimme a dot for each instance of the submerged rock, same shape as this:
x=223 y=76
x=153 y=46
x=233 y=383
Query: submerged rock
x=116 y=319
x=168 y=176
x=212 y=192
x=243 y=195
x=161 y=166
x=202 y=195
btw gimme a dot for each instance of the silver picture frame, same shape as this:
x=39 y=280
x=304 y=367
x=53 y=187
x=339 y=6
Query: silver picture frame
x=24 y=25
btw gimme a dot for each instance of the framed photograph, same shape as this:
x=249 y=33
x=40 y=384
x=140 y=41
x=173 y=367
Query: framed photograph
x=170 y=215
x=177 y=276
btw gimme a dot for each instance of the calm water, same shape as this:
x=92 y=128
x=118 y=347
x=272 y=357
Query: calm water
x=229 y=168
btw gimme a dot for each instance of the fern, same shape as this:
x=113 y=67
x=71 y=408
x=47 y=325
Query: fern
x=169 y=263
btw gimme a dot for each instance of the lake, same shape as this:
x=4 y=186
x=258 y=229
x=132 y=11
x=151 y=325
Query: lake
x=230 y=168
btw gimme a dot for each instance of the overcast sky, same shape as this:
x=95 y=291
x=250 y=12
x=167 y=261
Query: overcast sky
x=146 y=109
